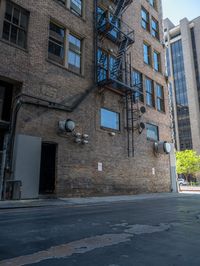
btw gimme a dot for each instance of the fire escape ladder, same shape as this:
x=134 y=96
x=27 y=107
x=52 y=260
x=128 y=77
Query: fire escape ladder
x=119 y=59
x=130 y=123
x=121 y=5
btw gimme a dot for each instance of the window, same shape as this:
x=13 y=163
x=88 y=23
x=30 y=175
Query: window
x=160 y=98
x=147 y=53
x=106 y=66
x=156 y=61
x=152 y=132
x=102 y=58
x=138 y=84
x=155 y=28
x=149 y=92
x=145 y=19
x=74 y=54
x=153 y=3
x=15 y=25
x=76 y=6
x=57 y=47
x=109 y=119
x=56 y=42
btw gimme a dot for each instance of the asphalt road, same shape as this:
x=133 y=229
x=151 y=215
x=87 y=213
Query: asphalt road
x=162 y=231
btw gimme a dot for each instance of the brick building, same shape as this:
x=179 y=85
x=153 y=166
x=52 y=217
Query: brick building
x=98 y=66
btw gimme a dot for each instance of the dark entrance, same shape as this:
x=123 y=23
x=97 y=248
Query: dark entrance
x=47 y=168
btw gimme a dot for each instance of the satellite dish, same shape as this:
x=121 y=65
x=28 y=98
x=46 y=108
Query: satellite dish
x=142 y=109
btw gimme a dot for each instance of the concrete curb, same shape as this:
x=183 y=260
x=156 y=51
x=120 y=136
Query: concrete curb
x=35 y=203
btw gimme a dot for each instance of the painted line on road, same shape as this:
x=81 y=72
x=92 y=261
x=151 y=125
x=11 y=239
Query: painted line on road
x=87 y=244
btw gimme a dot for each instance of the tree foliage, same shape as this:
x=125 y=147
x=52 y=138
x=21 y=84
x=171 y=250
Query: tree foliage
x=187 y=162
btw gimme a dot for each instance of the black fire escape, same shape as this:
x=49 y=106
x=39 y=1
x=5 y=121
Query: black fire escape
x=115 y=72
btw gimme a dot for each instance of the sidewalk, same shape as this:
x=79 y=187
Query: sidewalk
x=83 y=201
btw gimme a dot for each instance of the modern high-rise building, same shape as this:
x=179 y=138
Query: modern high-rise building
x=84 y=102
x=183 y=64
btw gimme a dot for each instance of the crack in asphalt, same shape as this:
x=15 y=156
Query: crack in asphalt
x=87 y=244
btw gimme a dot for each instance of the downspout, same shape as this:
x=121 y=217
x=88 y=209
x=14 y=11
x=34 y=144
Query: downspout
x=39 y=102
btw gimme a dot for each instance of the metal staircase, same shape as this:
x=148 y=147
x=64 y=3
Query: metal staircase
x=121 y=6
x=117 y=75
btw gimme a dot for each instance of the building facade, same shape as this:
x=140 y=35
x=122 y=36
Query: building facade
x=83 y=97
x=183 y=62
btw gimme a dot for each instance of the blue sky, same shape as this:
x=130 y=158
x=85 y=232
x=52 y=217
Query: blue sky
x=175 y=10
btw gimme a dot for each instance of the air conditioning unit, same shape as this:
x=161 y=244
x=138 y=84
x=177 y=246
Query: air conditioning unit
x=162 y=147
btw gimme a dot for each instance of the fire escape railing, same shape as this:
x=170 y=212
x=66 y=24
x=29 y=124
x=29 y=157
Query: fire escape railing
x=114 y=63
x=111 y=26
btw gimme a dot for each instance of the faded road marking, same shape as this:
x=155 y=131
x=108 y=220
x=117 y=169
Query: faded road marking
x=63 y=251
x=87 y=244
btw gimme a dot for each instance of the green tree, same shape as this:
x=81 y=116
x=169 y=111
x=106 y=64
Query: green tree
x=187 y=162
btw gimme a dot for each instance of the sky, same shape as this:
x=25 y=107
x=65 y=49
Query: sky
x=175 y=10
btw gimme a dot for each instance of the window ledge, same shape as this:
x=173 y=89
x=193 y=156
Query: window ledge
x=161 y=112
x=148 y=65
x=65 y=68
x=109 y=130
x=14 y=45
x=151 y=107
x=158 y=72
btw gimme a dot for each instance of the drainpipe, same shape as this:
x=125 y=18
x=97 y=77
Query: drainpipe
x=26 y=99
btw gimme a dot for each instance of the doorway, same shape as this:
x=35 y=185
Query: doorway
x=47 y=168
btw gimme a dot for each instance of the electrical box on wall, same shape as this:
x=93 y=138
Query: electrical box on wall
x=162 y=147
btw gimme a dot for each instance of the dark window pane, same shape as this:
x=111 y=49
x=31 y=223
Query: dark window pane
x=109 y=119
x=60 y=31
x=22 y=38
x=13 y=37
x=24 y=21
x=8 y=13
x=152 y=132
x=56 y=48
x=6 y=30
x=15 y=19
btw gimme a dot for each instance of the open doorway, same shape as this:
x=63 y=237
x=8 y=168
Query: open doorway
x=47 y=168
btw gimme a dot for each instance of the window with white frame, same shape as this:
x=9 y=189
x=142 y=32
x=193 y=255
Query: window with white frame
x=58 y=52
x=74 y=53
x=56 y=42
